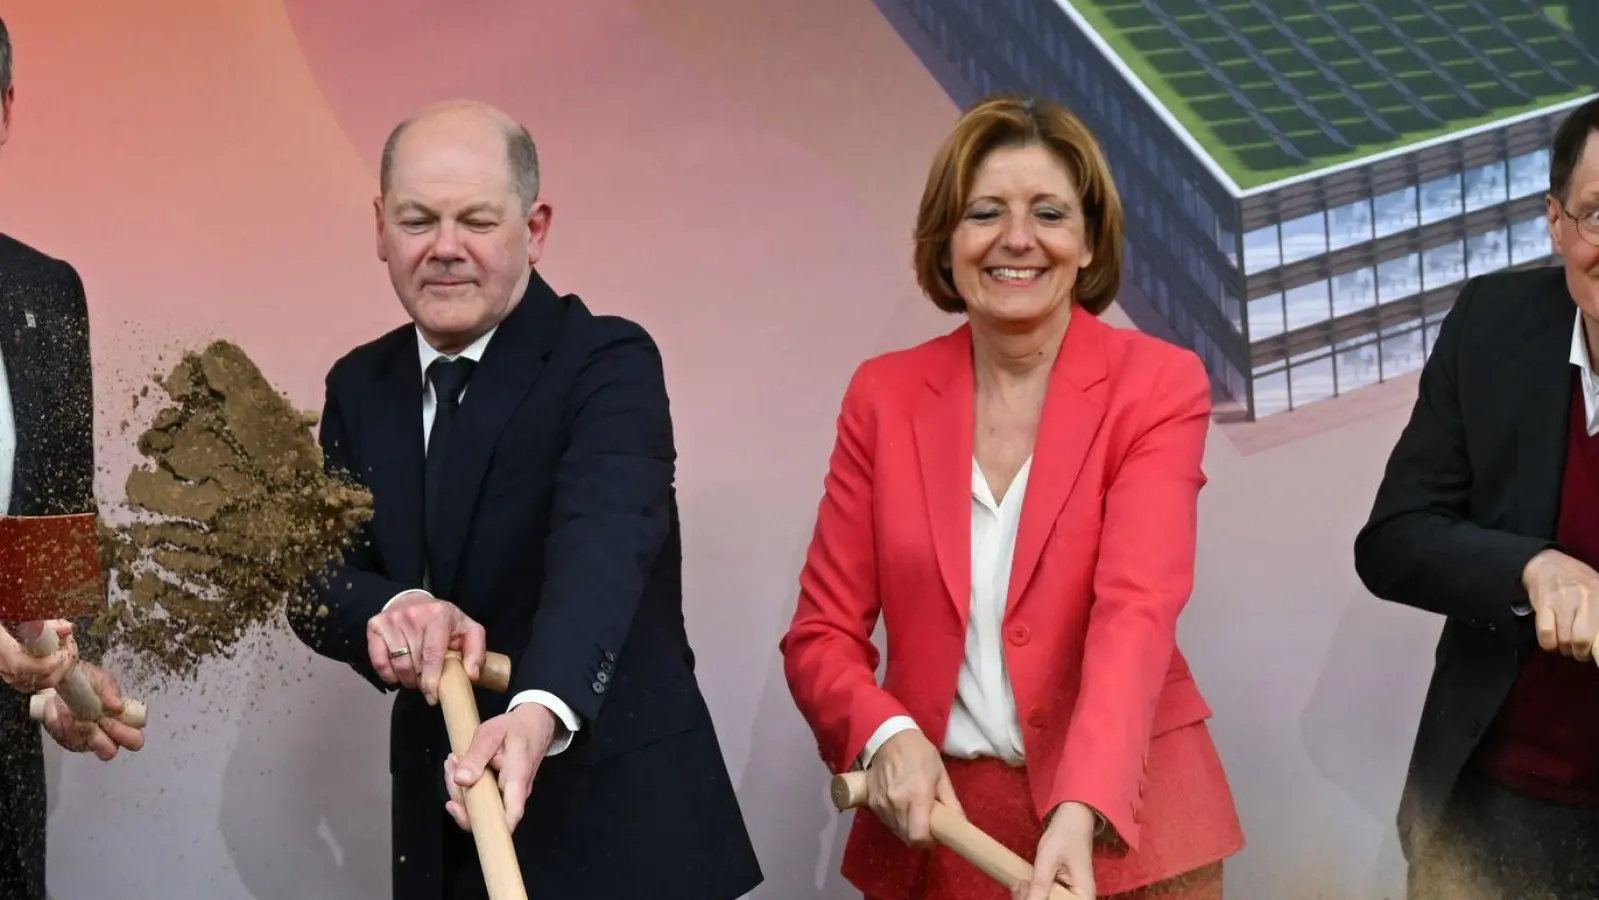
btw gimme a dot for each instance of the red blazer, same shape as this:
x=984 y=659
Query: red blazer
x=1104 y=564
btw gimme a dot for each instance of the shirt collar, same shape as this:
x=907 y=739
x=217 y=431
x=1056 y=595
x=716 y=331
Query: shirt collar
x=473 y=351
x=1584 y=363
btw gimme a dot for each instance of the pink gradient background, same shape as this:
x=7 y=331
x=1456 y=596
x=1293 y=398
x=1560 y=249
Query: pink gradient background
x=739 y=177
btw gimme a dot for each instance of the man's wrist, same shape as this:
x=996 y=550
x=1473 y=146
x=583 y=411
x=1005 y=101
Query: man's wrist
x=1529 y=572
x=406 y=596
x=540 y=713
x=566 y=721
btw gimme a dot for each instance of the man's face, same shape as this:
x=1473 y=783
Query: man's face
x=1582 y=202
x=458 y=245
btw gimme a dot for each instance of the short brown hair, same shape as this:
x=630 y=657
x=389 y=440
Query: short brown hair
x=1019 y=122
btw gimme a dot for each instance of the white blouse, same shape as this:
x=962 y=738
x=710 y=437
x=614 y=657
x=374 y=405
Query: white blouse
x=983 y=720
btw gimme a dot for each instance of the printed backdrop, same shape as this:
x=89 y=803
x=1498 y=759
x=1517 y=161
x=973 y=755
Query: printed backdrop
x=740 y=177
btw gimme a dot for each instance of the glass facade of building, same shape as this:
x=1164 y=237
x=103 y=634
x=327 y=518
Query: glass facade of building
x=1289 y=295
x=1348 y=275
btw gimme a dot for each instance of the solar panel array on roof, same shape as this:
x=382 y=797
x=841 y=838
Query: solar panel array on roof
x=1273 y=88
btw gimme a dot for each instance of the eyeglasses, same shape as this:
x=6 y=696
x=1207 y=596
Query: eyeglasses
x=1587 y=224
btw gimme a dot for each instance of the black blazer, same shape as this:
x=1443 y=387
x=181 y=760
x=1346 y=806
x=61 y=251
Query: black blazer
x=44 y=337
x=561 y=538
x=45 y=318
x=1470 y=494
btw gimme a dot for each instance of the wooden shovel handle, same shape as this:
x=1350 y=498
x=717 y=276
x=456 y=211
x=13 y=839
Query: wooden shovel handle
x=76 y=691
x=484 y=805
x=953 y=831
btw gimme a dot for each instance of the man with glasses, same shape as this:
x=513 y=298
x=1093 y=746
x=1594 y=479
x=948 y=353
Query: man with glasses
x=1488 y=514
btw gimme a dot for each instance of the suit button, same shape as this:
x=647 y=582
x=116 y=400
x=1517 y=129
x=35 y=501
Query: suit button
x=598 y=687
x=1035 y=719
x=602 y=677
x=1019 y=634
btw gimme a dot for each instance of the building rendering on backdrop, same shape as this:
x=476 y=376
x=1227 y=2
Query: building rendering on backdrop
x=1307 y=182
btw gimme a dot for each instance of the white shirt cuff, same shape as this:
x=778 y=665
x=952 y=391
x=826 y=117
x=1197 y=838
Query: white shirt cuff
x=543 y=698
x=562 y=712
x=403 y=593
x=885 y=731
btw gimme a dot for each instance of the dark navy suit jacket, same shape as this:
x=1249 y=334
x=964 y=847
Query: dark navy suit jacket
x=44 y=333
x=560 y=535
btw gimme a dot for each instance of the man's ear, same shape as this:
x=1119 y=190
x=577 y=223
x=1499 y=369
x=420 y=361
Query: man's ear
x=538 y=230
x=377 y=216
x=6 y=100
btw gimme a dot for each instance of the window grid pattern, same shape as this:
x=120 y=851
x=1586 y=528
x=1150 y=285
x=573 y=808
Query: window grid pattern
x=1340 y=366
x=1394 y=350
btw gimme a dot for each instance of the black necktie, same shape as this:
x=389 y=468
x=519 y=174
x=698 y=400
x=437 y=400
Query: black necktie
x=449 y=378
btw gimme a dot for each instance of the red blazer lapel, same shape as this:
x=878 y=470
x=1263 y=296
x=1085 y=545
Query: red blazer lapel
x=1072 y=413
x=943 y=423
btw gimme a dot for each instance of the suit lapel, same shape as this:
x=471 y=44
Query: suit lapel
x=1073 y=410
x=1545 y=400
x=943 y=424
x=396 y=468
x=511 y=364
x=24 y=383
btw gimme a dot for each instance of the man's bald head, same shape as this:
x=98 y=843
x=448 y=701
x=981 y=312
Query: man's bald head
x=521 y=154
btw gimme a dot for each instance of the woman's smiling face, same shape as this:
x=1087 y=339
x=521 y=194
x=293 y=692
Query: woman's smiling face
x=1022 y=240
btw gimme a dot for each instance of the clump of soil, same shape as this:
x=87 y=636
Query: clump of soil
x=232 y=515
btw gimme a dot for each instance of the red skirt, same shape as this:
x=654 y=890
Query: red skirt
x=995 y=798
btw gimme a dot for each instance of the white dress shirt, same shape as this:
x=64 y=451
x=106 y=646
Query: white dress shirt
x=1583 y=360
x=983 y=720
x=8 y=441
x=474 y=352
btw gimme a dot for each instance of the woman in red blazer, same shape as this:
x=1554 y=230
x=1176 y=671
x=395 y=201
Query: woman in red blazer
x=1033 y=677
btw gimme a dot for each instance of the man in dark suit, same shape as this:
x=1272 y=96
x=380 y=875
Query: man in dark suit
x=520 y=455
x=46 y=468
x=1488 y=514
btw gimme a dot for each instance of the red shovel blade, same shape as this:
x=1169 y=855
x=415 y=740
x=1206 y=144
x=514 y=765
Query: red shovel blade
x=50 y=567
